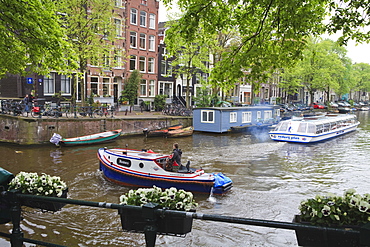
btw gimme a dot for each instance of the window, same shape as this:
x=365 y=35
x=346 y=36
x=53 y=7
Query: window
x=142 y=44
x=233 y=116
x=49 y=87
x=246 y=117
x=132 y=39
x=65 y=83
x=151 y=43
x=105 y=86
x=133 y=15
x=207 y=116
x=117 y=58
x=143 y=87
x=166 y=68
x=152 y=21
x=258 y=115
x=142 y=64
x=94 y=85
x=132 y=62
x=302 y=127
x=151 y=88
x=151 y=65
x=267 y=115
x=118 y=25
x=143 y=18
x=118 y=3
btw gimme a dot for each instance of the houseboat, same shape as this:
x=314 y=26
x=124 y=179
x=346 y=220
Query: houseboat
x=234 y=119
x=314 y=128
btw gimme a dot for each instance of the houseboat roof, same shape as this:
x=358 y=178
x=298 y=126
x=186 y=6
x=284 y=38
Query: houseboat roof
x=233 y=108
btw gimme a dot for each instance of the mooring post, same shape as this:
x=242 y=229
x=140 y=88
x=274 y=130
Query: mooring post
x=150 y=229
x=16 y=238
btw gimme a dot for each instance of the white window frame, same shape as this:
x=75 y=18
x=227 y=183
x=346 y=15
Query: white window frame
x=143 y=16
x=259 y=115
x=233 y=117
x=133 y=58
x=151 y=88
x=207 y=113
x=49 y=84
x=267 y=115
x=133 y=39
x=142 y=41
x=143 y=87
x=247 y=117
x=118 y=25
x=142 y=64
x=151 y=63
x=65 y=84
x=151 y=43
x=133 y=16
x=152 y=21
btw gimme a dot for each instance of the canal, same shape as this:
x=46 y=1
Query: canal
x=270 y=180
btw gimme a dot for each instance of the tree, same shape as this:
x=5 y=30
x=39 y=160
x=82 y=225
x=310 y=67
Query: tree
x=32 y=38
x=91 y=32
x=270 y=36
x=189 y=57
x=131 y=87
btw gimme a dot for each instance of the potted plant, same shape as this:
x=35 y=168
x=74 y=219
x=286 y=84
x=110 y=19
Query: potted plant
x=171 y=198
x=41 y=185
x=350 y=212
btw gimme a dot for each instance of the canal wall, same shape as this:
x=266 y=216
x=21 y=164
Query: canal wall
x=27 y=130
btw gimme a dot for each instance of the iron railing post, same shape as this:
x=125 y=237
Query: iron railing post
x=150 y=230
x=16 y=238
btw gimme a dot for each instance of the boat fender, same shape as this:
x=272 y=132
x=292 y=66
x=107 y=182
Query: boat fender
x=221 y=179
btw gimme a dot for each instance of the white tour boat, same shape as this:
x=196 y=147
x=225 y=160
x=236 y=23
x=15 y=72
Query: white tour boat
x=314 y=128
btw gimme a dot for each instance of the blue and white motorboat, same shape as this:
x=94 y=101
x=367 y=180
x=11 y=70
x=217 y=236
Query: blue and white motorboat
x=314 y=128
x=142 y=168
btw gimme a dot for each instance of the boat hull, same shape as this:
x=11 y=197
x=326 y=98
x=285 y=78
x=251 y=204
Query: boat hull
x=304 y=138
x=98 y=138
x=149 y=174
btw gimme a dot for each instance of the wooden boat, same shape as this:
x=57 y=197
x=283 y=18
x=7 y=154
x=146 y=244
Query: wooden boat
x=102 y=137
x=160 y=132
x=146 y=168
x=314 y=128
x=188 y=131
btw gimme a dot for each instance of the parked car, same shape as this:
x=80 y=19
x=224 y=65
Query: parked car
x=333 y=104
x=318 y=106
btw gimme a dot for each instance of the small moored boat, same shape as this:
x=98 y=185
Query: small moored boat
x=101 y=137
x=188 y=131
x=146 y=168
x=160 y=132
x=314 y=128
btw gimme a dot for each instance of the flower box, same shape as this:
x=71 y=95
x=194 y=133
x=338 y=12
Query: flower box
x=45 y=205
x=322 y=237
x=133 y=221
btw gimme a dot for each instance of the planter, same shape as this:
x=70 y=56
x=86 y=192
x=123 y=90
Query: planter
x=45 y=205
x=322 y=237
x=133 y=221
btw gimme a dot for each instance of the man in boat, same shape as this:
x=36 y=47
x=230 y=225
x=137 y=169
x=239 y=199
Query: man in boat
x=174 y=161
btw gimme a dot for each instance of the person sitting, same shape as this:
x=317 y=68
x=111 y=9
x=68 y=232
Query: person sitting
x=174 y=160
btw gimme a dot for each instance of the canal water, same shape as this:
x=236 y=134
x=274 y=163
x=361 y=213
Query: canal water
x=270 y=180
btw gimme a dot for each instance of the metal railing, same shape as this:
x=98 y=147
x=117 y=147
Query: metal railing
x=17 y=238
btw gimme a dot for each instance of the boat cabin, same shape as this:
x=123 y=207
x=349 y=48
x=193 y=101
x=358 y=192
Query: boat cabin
x=222 y=119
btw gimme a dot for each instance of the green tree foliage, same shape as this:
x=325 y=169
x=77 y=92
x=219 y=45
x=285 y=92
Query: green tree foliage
x=131 y=87
x=272 y=34
x=159 y=102
x=31 y=37
x=361 y=76
x=91 y=32
x=204 y=97
x=321 y=68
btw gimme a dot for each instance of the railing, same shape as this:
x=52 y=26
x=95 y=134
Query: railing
x=151 y=214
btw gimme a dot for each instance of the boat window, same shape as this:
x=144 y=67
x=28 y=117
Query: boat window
x=302 y=127
x=311 y=128
x=326 y=127
x=207 y=116
x=124 y=162
x=283 y=126
x=141 y=165
x=319 y=129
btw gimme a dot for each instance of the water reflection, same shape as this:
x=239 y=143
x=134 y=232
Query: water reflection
x=270 y=179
